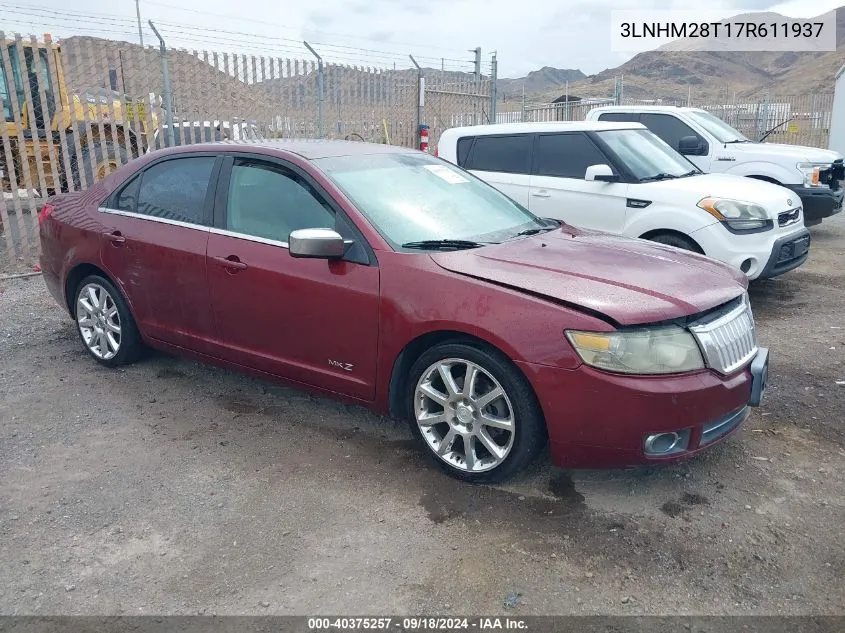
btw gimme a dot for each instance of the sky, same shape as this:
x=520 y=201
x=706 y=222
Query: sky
x=525 y=34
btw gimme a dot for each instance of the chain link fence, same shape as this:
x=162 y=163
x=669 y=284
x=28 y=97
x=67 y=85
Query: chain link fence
x=794 y=120
x=76 y=110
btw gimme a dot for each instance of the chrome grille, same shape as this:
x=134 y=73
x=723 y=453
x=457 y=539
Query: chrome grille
x=728 y=341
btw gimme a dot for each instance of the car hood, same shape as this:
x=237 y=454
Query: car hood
x=773 y=198
x=629 y=281
x=800 y=153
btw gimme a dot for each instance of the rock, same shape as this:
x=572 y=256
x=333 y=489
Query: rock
x=589 y=574
x=521 y=497
x=512 y=599
x=747 y=507
x=626 y=600
x=70 y=588
x=264 y=604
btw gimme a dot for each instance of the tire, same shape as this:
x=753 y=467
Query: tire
x=91 y=157
x=99 y=307
x=464 y=414
x=678 y=241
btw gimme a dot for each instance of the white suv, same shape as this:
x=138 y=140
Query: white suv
x=621 y=178
x=814 y=175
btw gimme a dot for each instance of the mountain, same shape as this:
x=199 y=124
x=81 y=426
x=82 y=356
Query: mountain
x=537 y=81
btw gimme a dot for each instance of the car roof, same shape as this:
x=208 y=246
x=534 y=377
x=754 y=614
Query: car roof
x=533 y=128
x=655 y=108
x=306 y=148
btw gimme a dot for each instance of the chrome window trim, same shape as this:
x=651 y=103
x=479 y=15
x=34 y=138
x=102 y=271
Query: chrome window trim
x=248 y=238
x=152 y=218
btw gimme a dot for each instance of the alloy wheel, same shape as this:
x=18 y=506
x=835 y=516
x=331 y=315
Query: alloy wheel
x=98 y=320
x=464 y=415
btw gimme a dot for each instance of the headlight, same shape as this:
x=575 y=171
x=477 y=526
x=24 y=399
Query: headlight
x=660 y=350
x=742 y=216
x=810 y=172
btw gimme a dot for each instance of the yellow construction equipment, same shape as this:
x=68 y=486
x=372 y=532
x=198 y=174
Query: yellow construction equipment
x=87 y=134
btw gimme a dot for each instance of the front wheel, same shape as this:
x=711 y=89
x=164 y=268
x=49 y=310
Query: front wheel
x=475 y=412
x=676 y=240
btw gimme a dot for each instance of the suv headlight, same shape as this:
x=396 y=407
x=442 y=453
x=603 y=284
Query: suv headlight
x=739 y=215
x=810 y=172
x=659 y=350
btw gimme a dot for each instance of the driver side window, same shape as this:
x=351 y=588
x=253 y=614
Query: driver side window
x=268 y=201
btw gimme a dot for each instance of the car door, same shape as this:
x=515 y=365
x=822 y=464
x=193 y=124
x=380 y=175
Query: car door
x=559 y=189
x=155 y=248
x=671 y=130
x=503 y=161
x=309 y=320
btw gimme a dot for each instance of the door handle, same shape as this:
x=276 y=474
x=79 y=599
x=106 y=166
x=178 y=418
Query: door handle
x=231 y=263
x=116 y=238
x=542 y=193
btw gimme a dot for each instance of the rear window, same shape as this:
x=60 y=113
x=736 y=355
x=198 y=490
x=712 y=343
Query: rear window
x=620 y=117
x=464 y=145
x=508 y=154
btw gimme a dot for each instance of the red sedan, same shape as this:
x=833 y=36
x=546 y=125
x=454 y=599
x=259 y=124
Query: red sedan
x=393 y=279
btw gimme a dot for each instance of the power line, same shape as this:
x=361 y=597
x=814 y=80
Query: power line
x=377 y=56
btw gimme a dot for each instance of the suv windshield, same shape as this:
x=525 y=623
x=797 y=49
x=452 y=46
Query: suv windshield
x=723 y=132
x=415 y=197
x=646 y=155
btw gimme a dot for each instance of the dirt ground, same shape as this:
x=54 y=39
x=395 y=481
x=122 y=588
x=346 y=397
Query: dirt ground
x=174 y=488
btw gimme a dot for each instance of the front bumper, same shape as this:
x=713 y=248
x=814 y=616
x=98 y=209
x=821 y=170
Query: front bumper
x=818 y=202
x=600 y=420
x=788 y=253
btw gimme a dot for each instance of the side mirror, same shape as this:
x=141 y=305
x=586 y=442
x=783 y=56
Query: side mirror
x=316 y=244
x=601 y=173
x=690 y=146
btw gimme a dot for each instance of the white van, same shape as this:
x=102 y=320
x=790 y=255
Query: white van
x=814 y=175
x=621 y=178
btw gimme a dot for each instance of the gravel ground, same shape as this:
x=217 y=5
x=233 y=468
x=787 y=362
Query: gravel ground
x=171 y=487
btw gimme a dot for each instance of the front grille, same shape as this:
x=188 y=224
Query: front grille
x=721 y=427
x=728 y=339
x=789 y=217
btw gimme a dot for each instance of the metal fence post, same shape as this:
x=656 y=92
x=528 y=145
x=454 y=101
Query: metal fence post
x=320 y=121
x=168 y=90
x=494 y=76
x=420 y=95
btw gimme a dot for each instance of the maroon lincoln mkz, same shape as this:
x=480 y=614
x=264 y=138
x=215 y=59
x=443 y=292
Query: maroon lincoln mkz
x=393 y=279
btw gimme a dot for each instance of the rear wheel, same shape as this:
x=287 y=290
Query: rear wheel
x=104 y=322
x=676 y=240
x=474 y=411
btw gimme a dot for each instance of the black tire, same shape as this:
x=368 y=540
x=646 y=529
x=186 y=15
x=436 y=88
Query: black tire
x=678 y=241
x=92 y=154
x=130 y=344
x=529 y=426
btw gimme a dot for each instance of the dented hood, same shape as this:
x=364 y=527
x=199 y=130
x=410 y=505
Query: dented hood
x=628 y=280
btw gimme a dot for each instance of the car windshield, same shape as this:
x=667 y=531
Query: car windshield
x=723 y=132
x=646 y=155
x=414 y=197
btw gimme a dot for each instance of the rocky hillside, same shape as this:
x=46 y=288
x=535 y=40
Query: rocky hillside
x=537 y=81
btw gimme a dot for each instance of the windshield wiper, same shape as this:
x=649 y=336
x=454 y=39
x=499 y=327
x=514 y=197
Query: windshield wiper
x=691 y=172
x=550 y=224
x=660 y=176
x=738 y=140
x=444 y=244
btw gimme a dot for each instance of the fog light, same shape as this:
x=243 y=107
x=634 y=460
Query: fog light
x=669 y=443
x=745 y=266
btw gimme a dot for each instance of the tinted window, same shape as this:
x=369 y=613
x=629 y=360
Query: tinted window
x=464 y=144
x=268 y=201
x=509 y=154
x=127 y=199
x=175 y=189
x=565 y=155
x=623 y=117
x=667 y=127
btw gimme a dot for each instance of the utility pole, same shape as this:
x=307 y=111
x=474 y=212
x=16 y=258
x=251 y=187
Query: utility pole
x=320 y=121
x=138 y=13
x=494 y=77
x=168 y=91
x=420 y=94
x=477 y=50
